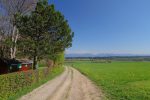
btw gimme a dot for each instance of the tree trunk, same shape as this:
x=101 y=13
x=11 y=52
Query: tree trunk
x=35 y=59
x=15 y=43
x=35 y=62
x=13 y=48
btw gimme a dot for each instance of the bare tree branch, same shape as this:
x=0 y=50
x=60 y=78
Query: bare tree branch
x=9 y=8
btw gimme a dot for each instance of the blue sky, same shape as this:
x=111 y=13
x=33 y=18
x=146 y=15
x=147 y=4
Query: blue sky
x=108 y=26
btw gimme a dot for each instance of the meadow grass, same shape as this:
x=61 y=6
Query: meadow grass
x=119 y=80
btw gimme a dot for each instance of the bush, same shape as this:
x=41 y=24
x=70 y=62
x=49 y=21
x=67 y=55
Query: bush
x=14 y=82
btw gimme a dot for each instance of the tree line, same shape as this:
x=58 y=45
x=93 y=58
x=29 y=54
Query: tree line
x=32 y=29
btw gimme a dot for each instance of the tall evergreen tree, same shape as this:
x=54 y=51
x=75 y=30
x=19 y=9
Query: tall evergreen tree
x=46 y=30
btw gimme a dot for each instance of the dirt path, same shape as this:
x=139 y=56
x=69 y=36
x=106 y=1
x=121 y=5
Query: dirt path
x=71 y=85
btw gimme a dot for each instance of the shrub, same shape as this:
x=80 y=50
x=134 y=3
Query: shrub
x=14 y=82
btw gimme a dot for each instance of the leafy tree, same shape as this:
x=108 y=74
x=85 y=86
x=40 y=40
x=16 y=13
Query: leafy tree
x=9 y=8
x=45 y=30
x=59 y=58
x=62 y=40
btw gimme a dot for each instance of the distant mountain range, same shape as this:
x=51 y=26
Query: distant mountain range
x=101 y=55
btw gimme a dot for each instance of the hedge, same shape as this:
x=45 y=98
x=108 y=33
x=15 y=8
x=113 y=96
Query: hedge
x=11 y=83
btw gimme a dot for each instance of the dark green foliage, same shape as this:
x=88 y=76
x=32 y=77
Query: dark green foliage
x=44 y=32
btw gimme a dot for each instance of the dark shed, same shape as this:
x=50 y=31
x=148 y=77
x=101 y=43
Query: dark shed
x=9 y=65
x=4 y=68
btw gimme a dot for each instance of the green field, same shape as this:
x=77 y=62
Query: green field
x=119 y=80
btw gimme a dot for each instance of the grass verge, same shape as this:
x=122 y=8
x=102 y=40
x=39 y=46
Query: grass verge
x=55 y=72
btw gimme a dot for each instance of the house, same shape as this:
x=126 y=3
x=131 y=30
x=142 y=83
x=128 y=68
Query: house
x=25 y=65
x=12 y=65
x=9 y=65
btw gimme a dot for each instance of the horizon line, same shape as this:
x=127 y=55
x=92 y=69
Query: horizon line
x=106 y=53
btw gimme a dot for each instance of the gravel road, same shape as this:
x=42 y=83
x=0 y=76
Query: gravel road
x=70 y=85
